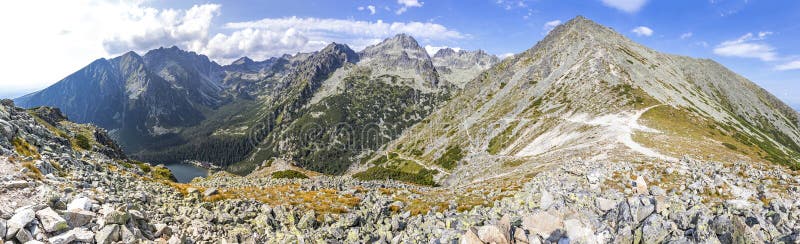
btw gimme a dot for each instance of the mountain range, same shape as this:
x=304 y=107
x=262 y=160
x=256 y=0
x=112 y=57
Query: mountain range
x=172 y=105
x=587 y=137
x=584 y=91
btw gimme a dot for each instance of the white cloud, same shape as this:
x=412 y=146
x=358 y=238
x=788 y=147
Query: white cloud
x=433 y=49
x=64 y=36
x=272 y=37
x=506 y=55
x=405 y=4
x=150 y=28
x=629 y=6
x=747 y=46
x=550 y=25
x=642 y=31
x=687 y=35
x=371 y=9
x=794 y=65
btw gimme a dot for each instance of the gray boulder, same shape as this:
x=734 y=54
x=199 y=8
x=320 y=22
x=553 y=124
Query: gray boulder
x=51 y=221
x=78 y=217
x=107 y=235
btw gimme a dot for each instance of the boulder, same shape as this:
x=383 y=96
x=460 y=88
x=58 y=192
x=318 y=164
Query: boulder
x=78 y=217
x=51 y=221
x=73 y=235
x=2 y=228
x=470 y=237
x=116 y=217
x=542 y=223
x=81 y=203
x=23 y=236
x=19 y=221
x=107 y=235
x=493 y=234
x=605 y=205
x=162 y=230
x=578 y=232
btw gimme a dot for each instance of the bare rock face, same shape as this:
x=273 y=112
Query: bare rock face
x=460 y=67
x=402 y=55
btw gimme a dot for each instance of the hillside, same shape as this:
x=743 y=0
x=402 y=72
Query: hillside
x=586 y=92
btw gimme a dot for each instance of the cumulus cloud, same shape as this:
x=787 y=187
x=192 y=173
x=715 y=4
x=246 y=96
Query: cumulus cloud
x=370 y=8
x=272 y=37
x=550 y=25
x=642 y=31
x=149 y=28
x=629 y=6
x=747 y=46
x=406 y=4
x=506 y=55
x=793 y=65
x=686 y=35
x=66 y=35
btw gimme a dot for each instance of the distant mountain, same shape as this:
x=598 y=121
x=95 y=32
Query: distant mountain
x=587 y=92
x=458 y=67
x=172 y=105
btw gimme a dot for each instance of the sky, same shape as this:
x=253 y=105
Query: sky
x=41 y=45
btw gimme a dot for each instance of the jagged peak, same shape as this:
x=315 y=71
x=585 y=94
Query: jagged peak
x=242 y=61
x=444 y=52
x=333 y=47
x=402 y=40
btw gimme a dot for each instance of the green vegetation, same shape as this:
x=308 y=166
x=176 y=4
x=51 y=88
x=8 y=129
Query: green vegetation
x=501 y=141
x=450 y=158
x=145 y=167
x=83 y=142
x=162 y=173
x=729 y=146
x=424 y=177
x=288 y=174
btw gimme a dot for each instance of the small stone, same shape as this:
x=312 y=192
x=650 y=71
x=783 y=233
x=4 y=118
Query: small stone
x=546 y=200
x=519 y=236
x=51 y=221
x=640 y=185
x=210 y=192
x=578 y=232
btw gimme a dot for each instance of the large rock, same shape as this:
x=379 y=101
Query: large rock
x=542 y=223
x=23 y=236
x=2 y=228
x=81 y=203
x=470 y=237
x=78 y=217
x=51 y=221
x=116 y=217
x=107 y=235
x=162 y=230
x=19 y=221
x=79 y=235
x=493 y=234
x=578 y=232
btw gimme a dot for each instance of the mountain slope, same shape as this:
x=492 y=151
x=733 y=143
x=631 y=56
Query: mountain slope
x=121 y=95
x=585 y=91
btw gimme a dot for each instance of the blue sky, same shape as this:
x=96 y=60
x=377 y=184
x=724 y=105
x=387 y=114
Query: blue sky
x=756 y=39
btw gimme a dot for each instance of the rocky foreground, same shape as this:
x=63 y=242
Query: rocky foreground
x=55 y=191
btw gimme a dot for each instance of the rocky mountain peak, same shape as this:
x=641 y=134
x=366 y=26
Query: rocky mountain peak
x=243 y=61
x=343 y=49
x=444 y=52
